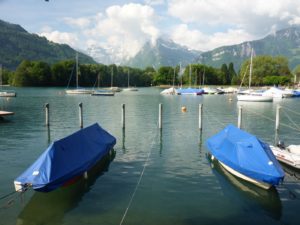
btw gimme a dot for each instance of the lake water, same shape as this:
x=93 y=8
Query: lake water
x=177 y=184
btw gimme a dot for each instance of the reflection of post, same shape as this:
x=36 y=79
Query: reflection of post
x=49 y=136
x=47 y=114
x=276 y=139
x=123 y=140
x=200 y=141
x=123 y=116
x=240 y=117
x=160 y=142
x=80 y=115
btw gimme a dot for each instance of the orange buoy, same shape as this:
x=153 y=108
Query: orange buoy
x=183 y=109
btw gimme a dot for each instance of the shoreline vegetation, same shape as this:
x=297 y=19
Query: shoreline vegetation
x=268 y=71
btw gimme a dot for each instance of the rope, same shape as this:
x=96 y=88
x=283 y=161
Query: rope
x=286 y=108
x=71 y=76
x=289 y=118
x=11 y=201
x=139 y=180
x=268 y=118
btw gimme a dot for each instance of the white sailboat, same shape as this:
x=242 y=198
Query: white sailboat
x=5 y=93
x=129 y=88
x=112 y=88
x=78 y=90
x=101 y=91
x=251 y=95
x=190 y=90
x=172 y=90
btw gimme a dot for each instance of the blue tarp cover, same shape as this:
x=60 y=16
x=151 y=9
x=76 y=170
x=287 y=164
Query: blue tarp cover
x=246 y=154
x=189 y=90
x=66 y=158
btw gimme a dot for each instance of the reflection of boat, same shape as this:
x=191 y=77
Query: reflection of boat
x=232 y=185
x=78 y=90
x=245 y=156
x=289 y=155
x=66 y=158
x=51 y=207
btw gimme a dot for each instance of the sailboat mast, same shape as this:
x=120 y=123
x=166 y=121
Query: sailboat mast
x=190 y=75
x=77 y=69
x=112 y=77
x=128 y=77
x=250 y=72
x=174 y=77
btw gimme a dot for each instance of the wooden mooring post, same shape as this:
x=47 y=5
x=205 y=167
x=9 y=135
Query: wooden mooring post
x=47 y=114
x=123 y=116
x=240 y=117
x=160 y=116
x=277 y=122
x=80 y=115
x=200 y=116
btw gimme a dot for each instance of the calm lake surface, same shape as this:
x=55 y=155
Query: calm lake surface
x=177 y=184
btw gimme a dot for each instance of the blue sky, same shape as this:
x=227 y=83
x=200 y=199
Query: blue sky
x=122 y=27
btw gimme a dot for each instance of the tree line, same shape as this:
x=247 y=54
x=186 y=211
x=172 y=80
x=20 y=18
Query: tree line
x=267 y=70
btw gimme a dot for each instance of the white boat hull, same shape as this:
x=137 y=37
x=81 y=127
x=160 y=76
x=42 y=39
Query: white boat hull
x=7 y=94
x=287 y=156
x=261 y=184
x=254 y=98
x=79 y=91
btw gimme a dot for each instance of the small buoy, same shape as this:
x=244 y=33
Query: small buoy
x=183 y=109
x=230 y=99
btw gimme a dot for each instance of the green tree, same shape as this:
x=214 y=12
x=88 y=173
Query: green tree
x=264 y=66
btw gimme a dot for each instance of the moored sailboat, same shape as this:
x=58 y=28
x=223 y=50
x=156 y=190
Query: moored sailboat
x=251 y=95
x=78 y=90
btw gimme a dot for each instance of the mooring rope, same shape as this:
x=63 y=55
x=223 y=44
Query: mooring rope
x=140 y=178
x=290 y=119
x=9 y=202
x=268 y=118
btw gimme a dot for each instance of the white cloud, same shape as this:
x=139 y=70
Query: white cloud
x=154 y=2
x=82 y=22
x=61 y=37
x=194 y=39
x=256 y=16
x=125 y=28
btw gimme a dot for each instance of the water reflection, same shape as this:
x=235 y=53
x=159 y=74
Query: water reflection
x=250 y=194
x=50 y=208
x=123 y=140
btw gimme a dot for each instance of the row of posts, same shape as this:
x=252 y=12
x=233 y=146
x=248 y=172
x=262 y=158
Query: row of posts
x=160 y=113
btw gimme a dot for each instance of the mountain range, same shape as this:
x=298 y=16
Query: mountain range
x=285 y=42
x=17 y=45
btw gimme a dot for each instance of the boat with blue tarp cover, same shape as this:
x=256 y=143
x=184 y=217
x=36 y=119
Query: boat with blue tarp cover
x=66 y=158
x=245 y=156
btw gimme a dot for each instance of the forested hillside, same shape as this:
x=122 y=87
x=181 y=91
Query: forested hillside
x=18 y=45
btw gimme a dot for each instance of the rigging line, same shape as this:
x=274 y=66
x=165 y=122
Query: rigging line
x=286 y=108
x=290 y=119
x=281 y=124
x=139 y=180
x=215 y=118
x=71 y=76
